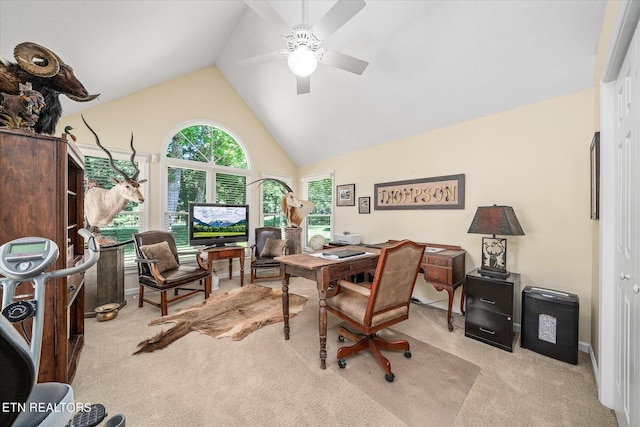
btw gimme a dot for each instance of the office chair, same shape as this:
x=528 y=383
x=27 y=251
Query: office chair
x=384 y=303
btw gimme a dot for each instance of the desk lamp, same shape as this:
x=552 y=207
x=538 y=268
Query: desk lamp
x=494 y=220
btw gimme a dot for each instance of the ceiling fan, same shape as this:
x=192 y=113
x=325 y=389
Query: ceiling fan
x=303 y=42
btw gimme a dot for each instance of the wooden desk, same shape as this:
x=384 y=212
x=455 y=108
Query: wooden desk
x=323 y=271
x=227 y=252
x=445 y=270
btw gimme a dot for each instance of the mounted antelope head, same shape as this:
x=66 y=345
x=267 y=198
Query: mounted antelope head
x=102 y=205
x=294 y=209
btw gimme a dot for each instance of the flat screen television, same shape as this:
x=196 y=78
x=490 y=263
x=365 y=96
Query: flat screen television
x=215 y=224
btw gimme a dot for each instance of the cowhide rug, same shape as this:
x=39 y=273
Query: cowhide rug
x=236 y=313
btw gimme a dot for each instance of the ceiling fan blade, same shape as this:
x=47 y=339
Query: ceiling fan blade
x=261 y=59
x=269 y=15
x=304 y=84
x=337 y=16
x=345 y=62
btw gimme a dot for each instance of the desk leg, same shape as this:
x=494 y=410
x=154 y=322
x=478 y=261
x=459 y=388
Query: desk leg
x=230 y=267
x=285 y=304
x=451 y=292
x=242 y=269
x=323 y=284
x=463 y=298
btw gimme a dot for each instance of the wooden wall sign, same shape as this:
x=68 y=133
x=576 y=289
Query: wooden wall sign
x=442 y=192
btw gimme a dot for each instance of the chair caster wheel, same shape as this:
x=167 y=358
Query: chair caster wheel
x=342 y=363
x=407 y=354
x=340 y=338
x=389 y=377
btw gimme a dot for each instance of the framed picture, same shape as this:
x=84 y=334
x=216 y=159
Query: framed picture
x=346 y=195
x=364 y=205
x=595 y=176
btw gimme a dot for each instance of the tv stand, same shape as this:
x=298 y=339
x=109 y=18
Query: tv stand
x=225 y=252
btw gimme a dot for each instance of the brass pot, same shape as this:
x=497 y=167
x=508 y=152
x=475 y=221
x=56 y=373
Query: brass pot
x=107 y=312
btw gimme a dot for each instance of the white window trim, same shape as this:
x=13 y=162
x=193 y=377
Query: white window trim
x=209 y=167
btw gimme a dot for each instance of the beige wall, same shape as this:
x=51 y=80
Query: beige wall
x=156 y=113
x=533 y=158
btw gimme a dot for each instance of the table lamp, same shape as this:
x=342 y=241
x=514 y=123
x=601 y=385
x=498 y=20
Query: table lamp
x=494 y=220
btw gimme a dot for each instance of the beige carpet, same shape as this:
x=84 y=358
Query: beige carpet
x=264 y=380
x=420 y=380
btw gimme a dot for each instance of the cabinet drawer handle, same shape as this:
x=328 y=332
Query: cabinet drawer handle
x=488 y=301
x=488 y=331
x=71 y=289
x=437 y=276
x=437 y=262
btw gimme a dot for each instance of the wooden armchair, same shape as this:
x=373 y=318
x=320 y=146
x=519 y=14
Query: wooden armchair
x=371 y=307
x=159 y=268
x=268 y=245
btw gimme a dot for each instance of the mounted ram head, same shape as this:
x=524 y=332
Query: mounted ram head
x=294 y=209
x=49 y=75
x=102 y=205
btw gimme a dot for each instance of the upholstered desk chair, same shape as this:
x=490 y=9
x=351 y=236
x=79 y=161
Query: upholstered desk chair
x=159 y=268
x=268 y=245
x=371 y=307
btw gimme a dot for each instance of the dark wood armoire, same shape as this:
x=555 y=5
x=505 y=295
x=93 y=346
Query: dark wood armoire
x=41 y=194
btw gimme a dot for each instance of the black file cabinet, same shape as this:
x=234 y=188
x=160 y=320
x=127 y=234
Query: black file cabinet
x=490 y=309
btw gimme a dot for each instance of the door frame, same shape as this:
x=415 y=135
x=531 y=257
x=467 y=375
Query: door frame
x=626 y=24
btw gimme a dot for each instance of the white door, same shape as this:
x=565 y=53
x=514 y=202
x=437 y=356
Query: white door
x=627 y=261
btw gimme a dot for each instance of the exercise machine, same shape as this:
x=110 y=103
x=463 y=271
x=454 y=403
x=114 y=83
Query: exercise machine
x=24 y=402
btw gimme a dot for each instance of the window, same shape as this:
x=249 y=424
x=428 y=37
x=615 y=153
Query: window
x=133 y=217
x=319 y=190
x=203 y=162
x=272 y=193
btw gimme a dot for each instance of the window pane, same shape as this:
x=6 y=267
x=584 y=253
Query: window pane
x=272 y=205
x=184 y=186
x=231 y=189
x=202 y=143
x=319 y=220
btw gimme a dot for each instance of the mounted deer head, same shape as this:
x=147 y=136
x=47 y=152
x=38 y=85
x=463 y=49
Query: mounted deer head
x=294 y=209
x=102 y=205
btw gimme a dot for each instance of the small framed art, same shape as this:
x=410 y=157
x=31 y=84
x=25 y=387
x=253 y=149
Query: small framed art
x=346 y=195
x=364 y=205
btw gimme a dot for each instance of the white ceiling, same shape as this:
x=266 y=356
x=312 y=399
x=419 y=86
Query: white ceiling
x=431 y=63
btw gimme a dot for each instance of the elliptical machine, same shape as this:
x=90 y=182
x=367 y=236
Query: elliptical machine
x=23 y=402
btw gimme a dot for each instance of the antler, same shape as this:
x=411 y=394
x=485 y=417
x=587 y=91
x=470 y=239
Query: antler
x=133 y=156
x=113 y=166
x=284 y=184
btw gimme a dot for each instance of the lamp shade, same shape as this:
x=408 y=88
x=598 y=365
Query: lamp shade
x=494 y=220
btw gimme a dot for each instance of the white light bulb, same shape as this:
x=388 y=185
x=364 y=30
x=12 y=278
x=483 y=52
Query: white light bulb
x=302 y=61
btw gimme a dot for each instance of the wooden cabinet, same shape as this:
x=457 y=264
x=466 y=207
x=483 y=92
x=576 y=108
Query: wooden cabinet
x=42 y=191
x=490 y=309
x=443 y=267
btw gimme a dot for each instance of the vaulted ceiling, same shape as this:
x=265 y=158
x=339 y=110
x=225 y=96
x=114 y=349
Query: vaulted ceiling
x=431 y=63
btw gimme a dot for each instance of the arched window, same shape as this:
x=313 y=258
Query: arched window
x=202 y=163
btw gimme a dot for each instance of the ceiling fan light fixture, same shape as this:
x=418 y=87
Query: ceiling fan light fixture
x=302 y=61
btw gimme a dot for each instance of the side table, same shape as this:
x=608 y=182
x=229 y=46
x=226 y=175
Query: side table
x=226 y=252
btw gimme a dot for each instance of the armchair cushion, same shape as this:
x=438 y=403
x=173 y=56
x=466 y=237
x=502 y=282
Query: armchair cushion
x=273 y=247
x=162 y=254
